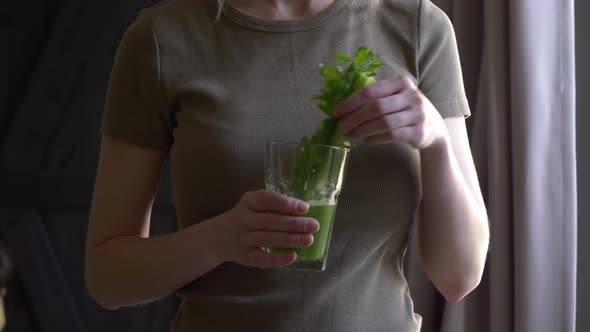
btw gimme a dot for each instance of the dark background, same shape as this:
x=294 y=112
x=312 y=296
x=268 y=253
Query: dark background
x=55 y=61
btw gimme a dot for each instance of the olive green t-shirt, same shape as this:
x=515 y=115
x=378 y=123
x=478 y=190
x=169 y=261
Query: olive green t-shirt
x=213 y=92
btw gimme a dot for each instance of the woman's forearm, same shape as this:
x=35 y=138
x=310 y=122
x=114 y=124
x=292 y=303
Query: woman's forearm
x=132 y=270
x=453 y=230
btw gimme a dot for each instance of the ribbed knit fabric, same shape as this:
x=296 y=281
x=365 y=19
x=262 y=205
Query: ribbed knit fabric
x=213 y=92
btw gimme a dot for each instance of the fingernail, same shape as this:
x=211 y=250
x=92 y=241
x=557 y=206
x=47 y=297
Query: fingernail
x=305 y=240
x=312 y=226
x=311 y=239
x=302 y=207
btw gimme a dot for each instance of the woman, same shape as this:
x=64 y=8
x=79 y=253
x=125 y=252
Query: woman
x=206 y=89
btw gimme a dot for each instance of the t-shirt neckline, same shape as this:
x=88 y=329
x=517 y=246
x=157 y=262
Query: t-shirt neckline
x=257 y=23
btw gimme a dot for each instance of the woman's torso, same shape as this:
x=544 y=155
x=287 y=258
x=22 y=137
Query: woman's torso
x=239 y=82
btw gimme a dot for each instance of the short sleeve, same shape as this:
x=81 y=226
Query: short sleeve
x=135 y=108
x=439 y=69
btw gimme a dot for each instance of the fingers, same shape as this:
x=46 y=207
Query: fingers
x=392 y=110
x=269 y=219
x=281 y=223
x=256 y=240
x=259 y=239
x=257 y=257
x=377 y=90
x=375 y=110
x=387 y=124
x=268 y=201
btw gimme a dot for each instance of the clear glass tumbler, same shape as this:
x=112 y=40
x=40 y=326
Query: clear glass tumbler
x=314 y=174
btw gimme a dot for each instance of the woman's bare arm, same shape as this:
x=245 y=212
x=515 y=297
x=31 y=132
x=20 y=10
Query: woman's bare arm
x=453 y=233
x=124 y=265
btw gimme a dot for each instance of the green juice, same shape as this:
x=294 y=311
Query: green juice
x=324 y=214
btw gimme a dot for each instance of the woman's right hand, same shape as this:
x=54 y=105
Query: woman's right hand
x=265 y=219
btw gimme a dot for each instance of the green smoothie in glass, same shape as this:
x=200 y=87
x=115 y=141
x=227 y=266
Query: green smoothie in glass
x=324 y=214
x=313 y=173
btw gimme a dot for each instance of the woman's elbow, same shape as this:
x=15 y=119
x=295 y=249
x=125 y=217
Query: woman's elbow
x=96 y=287
x=458 y=289
x=100 y=296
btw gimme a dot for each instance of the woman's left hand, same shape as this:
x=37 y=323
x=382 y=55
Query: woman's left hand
x=391 y=110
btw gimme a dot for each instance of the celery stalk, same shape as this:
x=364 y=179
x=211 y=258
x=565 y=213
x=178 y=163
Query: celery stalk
x=337 y=85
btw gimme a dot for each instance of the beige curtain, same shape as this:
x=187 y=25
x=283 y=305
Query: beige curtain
x=518 y=62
